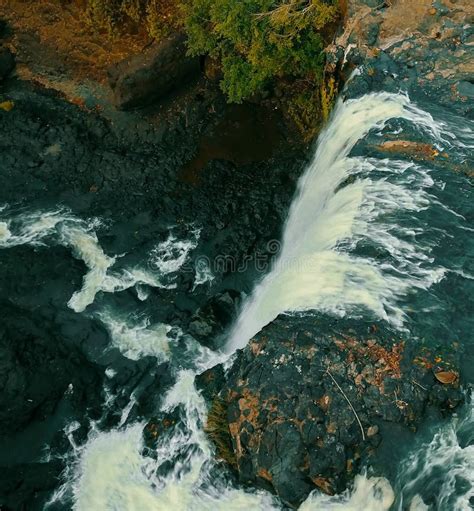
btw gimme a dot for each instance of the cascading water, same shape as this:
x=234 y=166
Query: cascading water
x=329 y=216
x=347 y=209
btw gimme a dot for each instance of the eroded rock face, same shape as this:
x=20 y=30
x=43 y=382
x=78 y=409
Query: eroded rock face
x=142 y=79
x=306 y=400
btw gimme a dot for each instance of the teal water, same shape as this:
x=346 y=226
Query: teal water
x=368 y=235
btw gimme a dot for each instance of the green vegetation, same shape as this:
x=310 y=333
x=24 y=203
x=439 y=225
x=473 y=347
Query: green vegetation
x=217 y=430
x=328 y=96
x=260 y=44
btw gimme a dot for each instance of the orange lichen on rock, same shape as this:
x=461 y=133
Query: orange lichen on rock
x=265 y=474
x=447 y=377
x=388 y=361
x=256 y=348
x=324 y=402
x=423 y=361
x=324 y=485
x=249 y=406
x=419 y=150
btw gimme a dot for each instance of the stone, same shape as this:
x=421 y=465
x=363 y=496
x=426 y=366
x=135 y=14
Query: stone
x=466 y=89
x=446 y=377
x=7 y=62
x=211 y=320
x=143 y=79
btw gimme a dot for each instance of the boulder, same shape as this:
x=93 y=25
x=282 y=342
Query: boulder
x=142 y=79
x=305 y=402
x=212 y=319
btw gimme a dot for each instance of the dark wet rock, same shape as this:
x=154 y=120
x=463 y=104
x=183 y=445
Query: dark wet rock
x=425 y=54
x=25 y=486
x=7 y=62
x=37 y=371
x=160 y=425
x=290 y=424
x=373 y=33
x=210 y=321
x=127 y=172
x=3 y=28
x=211 y=382
x=466 y=88
x=142 y=79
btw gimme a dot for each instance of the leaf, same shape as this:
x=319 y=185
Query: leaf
x=446 y=377
x=7 y=105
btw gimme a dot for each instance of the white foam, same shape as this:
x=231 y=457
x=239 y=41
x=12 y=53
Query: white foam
x=5 y=233
x=170 y=255
x=136 y=337
x=85 y=246
x=111 y=474
x=368 y=494
x=316 y=269
x=203 y=272
x=31 y=228
x=60 y=227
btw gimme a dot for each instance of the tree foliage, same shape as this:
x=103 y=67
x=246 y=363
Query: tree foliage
x=259 y=40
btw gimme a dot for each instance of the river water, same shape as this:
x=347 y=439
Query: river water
x=368 y=234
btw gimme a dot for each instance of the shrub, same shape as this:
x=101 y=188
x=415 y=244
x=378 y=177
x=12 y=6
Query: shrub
x=259 y=40
x=303 y=107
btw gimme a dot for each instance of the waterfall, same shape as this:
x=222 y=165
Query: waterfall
x=338 y=203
